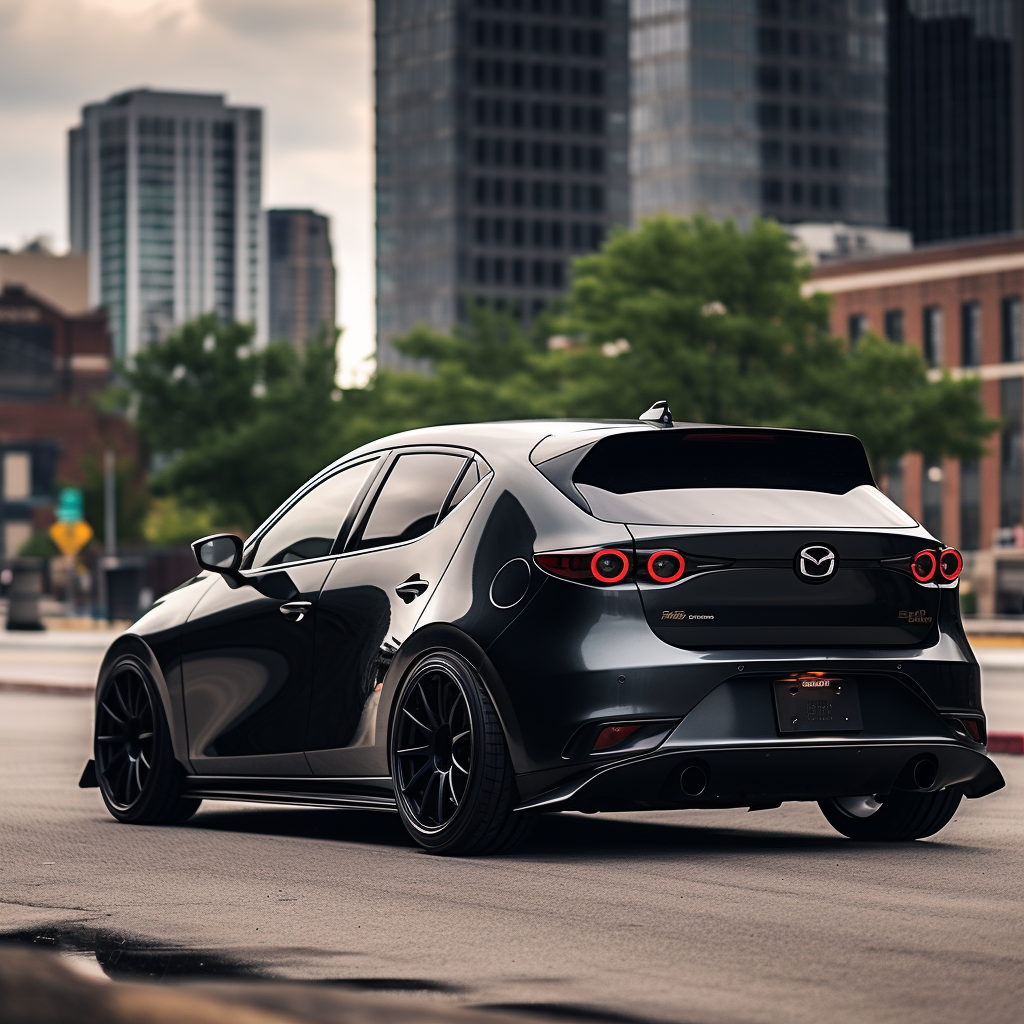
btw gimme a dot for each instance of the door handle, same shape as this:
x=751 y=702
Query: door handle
x=412 y=588
x=295 y=610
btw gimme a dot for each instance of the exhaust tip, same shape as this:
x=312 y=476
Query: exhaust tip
x=693 y=780
x=925 y=772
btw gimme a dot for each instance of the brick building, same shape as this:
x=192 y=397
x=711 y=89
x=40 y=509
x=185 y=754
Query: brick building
x=51 y=365
x=961 y=304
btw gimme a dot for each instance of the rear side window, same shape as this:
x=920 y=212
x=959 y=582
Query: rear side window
x=411 y=499
x=734 y=478
x=309 y=528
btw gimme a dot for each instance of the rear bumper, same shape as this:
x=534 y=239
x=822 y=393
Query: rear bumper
x=765 y=774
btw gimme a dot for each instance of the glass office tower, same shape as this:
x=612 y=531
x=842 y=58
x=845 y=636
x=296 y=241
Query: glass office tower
x=165 y=192
x=954 y=138
x=301 y=276
x=502 y=142
x=759 y=107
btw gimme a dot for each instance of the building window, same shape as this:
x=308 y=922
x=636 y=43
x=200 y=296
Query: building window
x=556 y=235
x=796 y=193
x=970 y=505
x=518 y=232
x=796 y=119
x=498 y=191
x=596 y=197
x=518 y=277
x=558 y=274
x=856 y=326
x=796 y=155
x=1011 y=458
x=835 y=196
x=769 y=115
x=537 y=194
x=596 y=236
x=499 y=271
x=499 y=232
x=970 y=334
x=518 y=193
x=537 y=233
x=894 y=325
x=771 y=153
x=932 y=335
x=815 y=195
x=576 y=237
x=538 y=272
x=480 y=270
x=480 y=190
x=931 y=497
x=1013 y=336
x=771 y=190
x=480 y=230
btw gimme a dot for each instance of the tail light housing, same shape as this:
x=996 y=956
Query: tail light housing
x=606 y=566
x=609 y=566
x=924 y=565
x=666 y=566
x=951 y=564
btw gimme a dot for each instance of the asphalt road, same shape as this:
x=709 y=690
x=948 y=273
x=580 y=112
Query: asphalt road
x=676 y=917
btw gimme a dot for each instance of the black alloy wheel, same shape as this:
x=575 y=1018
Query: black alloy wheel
x=138 y=776
x=435 y=748
x=125 y=737
x=454 y=781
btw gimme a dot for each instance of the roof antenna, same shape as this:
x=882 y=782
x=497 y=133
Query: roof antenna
x=659 y=414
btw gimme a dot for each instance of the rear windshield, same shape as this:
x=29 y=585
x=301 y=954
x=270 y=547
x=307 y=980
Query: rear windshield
x=734 y=478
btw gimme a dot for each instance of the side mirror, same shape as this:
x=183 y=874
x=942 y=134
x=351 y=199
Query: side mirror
x=221 y=553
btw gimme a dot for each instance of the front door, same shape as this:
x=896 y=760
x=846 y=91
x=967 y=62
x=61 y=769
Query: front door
x=247 y=648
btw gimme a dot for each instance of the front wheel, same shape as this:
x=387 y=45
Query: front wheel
x=897 y=817
x=454 y=781
x=139 y=778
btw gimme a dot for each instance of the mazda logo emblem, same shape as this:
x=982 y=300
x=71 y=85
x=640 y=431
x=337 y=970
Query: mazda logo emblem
x=816 y=563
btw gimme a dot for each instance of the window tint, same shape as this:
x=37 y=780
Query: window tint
x=411 y=498
x=309 y=528
x=672 y=459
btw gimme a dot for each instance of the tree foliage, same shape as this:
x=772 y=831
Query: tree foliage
x=710 y=317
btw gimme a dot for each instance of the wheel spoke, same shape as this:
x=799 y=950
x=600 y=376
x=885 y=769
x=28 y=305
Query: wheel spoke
x=142 y=758
x=428 y=711
x=413 y=750
x=451 y=786
x=416 y=721
x=427 y=765
x=455 y=764
x=109 y=739
x=145 y=735
x=426 y=795
x=461 y=736
x=120 y=721
x=120 y=699
x=441 y=776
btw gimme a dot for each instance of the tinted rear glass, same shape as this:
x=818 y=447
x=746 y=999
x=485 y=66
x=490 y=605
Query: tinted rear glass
x=678 y=459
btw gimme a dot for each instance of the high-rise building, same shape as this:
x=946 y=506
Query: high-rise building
x=165 y=192
x=502 y=142
x=744 y=108
x=301 y=275
x=956 y=135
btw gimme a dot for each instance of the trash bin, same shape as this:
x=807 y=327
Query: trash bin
x=24 y=592
x=123 y=582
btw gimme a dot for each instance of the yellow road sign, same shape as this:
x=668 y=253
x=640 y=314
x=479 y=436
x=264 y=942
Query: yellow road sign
x=71 y=537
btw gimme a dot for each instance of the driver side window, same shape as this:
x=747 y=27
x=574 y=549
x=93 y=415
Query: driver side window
x=309 y=528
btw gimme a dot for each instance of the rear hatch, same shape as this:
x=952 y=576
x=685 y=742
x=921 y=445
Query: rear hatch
x=786 y=540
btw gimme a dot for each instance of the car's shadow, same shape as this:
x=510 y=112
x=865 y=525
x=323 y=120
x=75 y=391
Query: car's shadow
x=555 y=836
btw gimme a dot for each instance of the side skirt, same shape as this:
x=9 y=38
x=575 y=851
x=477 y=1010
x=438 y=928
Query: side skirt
x=366 y=793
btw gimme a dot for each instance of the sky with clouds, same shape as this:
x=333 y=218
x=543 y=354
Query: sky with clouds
x=308 y=63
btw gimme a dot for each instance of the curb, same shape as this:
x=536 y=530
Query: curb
x=64 y=689
x=1006 y=742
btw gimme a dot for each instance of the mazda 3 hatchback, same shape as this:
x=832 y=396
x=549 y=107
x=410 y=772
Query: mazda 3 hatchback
x=472 y=624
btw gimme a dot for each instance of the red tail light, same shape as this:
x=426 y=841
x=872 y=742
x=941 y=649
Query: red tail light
x=607 y=566
x=951 y=564
x=924 y=565
x=666 y=566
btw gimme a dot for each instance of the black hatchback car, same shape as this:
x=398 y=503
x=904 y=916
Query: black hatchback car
x=473 y=623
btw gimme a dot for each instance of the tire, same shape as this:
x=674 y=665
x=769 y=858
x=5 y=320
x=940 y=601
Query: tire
x=454 y=781
x=139 y=778
x=898 y=817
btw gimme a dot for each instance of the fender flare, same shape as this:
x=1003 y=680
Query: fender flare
x=444 y=637
x=170 y=695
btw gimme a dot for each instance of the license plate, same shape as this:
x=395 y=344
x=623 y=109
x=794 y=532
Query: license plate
x=817 y=702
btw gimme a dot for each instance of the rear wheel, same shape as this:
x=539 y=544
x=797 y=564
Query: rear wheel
x=454 y=781
x=139 y=778
x=896 y=817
